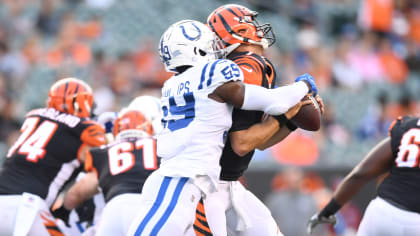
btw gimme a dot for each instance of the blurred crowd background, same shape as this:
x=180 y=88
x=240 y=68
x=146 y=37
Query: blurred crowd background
x=364 y=55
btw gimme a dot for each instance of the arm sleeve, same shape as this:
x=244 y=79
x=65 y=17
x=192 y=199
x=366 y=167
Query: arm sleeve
x=273 y=101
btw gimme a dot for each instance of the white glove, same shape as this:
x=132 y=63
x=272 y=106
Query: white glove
x=315 y=220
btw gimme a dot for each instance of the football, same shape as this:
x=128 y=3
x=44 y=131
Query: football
x=309 y=116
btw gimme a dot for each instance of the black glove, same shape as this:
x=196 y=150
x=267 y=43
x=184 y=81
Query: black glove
x=63 y=214
x=317 y=219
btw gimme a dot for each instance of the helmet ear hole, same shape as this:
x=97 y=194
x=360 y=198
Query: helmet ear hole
x=202 y=53
x=242 y=31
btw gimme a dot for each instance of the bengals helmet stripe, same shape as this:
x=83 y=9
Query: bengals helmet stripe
x=235 y=24
x=225 y=24
x=215 y=31
x=72 y=96
x=231 y=11
x=132 y=120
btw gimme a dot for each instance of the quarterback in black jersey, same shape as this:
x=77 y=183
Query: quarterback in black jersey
x=45 y=156
x=119 y=169
x=245 y=40
x=396 y=209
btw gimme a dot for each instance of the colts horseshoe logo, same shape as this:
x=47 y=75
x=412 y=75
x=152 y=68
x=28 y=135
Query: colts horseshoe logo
x=189 y=37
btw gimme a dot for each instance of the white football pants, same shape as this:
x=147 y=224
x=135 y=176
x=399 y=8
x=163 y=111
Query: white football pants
x=242 y=212
x=384 y=219
x=118 y=215
x=168 y=206
x=25 y=214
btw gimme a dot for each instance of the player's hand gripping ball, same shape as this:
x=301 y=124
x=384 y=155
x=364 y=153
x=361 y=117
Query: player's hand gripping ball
x=309 y=116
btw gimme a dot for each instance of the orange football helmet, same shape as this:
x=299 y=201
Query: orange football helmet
x=132 y=120
x=235 y=24
x=72 y=96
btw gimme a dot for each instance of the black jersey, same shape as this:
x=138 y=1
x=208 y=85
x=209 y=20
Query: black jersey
x=46 y=153
x=122 y=167
x=258 y=71
x=402 y=186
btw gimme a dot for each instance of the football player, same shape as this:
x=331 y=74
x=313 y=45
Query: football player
x=150 y=107
x=396 y=209
x=45 y=156
x=82 y=219
x=245 y=40
x=197 y=107
x=119 y=169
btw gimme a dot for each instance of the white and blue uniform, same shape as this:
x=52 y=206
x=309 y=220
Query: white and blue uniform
x=195 y=126
x=190 y=146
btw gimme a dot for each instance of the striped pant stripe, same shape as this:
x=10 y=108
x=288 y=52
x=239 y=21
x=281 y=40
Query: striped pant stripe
x=171 y=206
x=155 y=207
x=160 y=197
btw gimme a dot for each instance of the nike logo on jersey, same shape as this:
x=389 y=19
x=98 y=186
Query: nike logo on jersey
x=249 y=70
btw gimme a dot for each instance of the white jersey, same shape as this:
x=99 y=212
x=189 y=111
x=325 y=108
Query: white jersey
x=195 y=126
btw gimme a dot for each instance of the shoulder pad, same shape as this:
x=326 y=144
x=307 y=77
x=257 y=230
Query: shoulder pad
x=93 y=134
x=218 y=72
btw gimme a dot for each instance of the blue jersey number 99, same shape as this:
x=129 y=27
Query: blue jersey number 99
x=187 y=111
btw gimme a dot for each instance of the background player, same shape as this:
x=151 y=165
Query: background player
x=120 y=170
x=395 y=210
x=197 y=116
x=245 y=39
x=150 y=107
x=45 y=156
x=81 y=220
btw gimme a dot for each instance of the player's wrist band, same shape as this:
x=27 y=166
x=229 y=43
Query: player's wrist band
x=291 y=126
x=282 y=119
x=332 y=207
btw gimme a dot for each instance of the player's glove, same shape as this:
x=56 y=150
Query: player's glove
x=107 y=119
x=317 y=219
x=309 y=80
x=63 y=214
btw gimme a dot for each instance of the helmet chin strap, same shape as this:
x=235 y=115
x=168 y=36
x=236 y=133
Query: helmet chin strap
x=263 y=43
x=76 y=108
x=227 y=50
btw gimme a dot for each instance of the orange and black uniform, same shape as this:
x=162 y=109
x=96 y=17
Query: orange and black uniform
x=45 y=156
x=257 y=70
x=128 y=179
x=401 y=187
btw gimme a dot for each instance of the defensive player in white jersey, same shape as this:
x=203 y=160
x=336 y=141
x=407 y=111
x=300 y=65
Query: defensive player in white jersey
x=197 y=105
x=246 y=39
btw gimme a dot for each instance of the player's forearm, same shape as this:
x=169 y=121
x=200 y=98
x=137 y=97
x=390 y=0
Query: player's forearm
x=350 y=186
x=273 y=101
x=73 y=200
x=281 y=134
x=376 y=162
x=255 y=136
x=81 y=191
